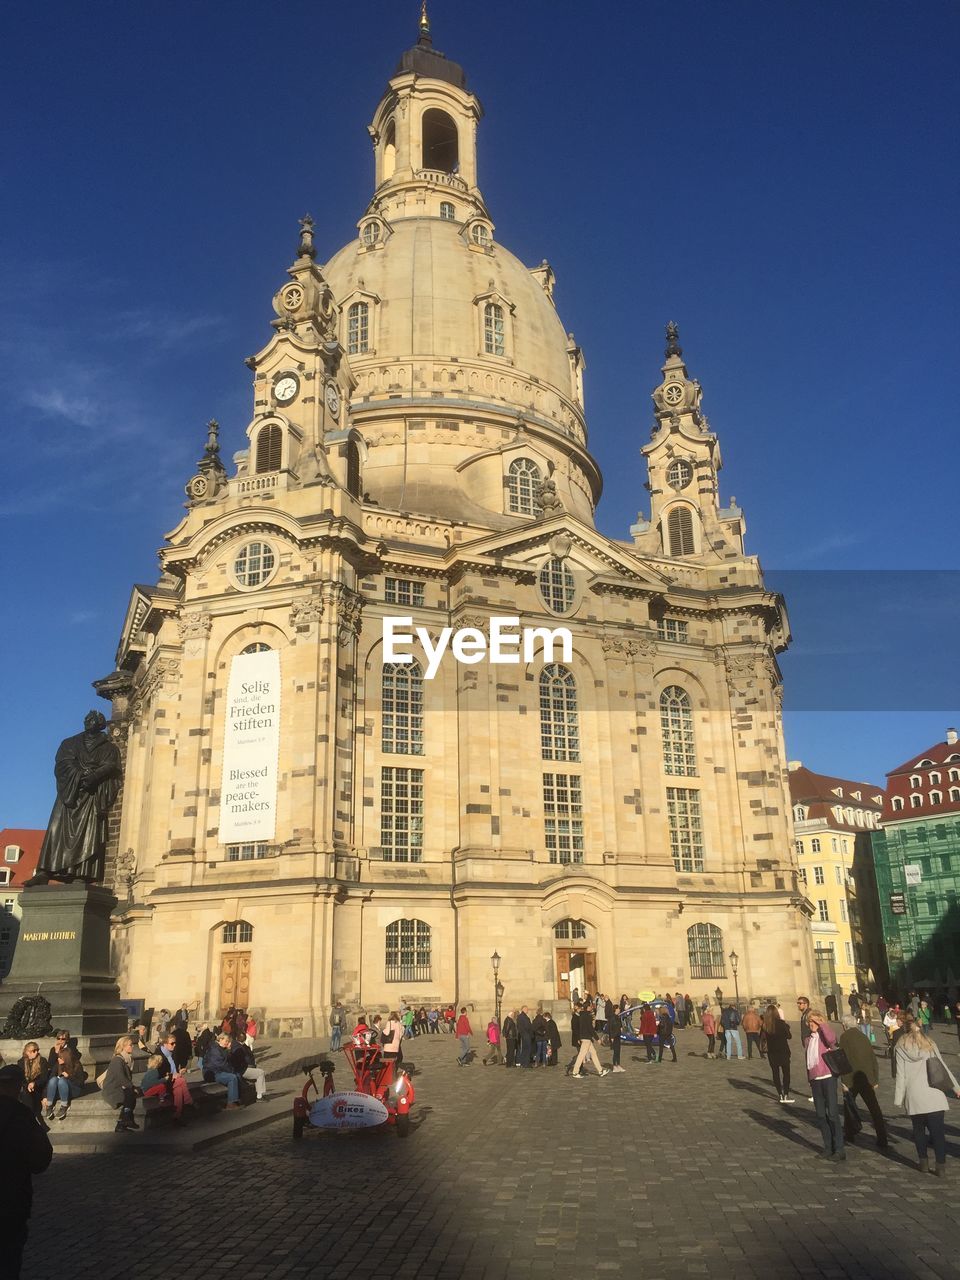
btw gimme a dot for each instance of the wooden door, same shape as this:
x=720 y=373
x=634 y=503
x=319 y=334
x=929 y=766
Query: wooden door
x=563 y=973
x=235 y=980
x=590 y=971
x=580 y=968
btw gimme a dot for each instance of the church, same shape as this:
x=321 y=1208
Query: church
x=304 y=820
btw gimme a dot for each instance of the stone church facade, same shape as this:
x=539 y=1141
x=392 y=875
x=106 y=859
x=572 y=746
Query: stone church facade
x=618 y=819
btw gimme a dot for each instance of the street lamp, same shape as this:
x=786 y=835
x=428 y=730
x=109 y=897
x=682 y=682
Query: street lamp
x=734 y=960
x=497 y=986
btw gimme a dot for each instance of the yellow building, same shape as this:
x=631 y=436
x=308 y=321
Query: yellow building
x=612 y=816
x=832 y=822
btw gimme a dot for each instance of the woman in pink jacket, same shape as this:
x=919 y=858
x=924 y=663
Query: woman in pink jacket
x=709 y=1025
x=823 y=1086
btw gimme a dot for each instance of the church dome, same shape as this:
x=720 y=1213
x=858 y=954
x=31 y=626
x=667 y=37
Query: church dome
x=468 y=320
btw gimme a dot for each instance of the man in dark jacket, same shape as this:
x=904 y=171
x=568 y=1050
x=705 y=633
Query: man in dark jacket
x=803 y=1007
x=588 y=1050
x=510 y=1038
x=217 y=1065
x=540 y=1039
x=26 y=1151
x=553 y=1040
x=614 y=1029
x=860 y=1082
x=525 y=1032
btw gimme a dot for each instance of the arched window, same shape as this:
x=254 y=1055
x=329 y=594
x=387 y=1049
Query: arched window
x=269 y=449
x=408 y=951
x=915 y=780
x=389 y=151
x=370 y=234
x=238 y=931
x=559 y=722
x=447 y=212
x=954 y=794
x=680 y=540
x=916 y=801
x=402 y=696
x=705 y=948
x=935 y=797
x=799 y=812
x=493 y=331
x=933 y=779
x=557 y=585
x=955 y=775
x=897 y=803
x=353 y=469
x=564 y=929
x=480 y=234
x=441 y=148
x=358 y=328
x=676 y=729
x=523 y=487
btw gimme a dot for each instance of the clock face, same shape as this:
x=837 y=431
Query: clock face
x=286 y=387
x=332 y=397
x=673 y=393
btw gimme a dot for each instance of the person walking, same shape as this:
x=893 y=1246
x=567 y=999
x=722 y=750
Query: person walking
x=730 y=1021
x=525 y=1034
x=510 y=1038
x=493 y=1056
x=709 y=1028
x=665 y=1036
x=463 y=1034
x=614 y=1032
x=777 y=1034
x=752 y=1026
x=588 y=1037
x=554 y=1043
x=925 y=1103
x=853 y=1003
x=861 y=1082
x=574 y=1034
x=26 y=1151
x=823 y=1085
x=648 y=1030
x=680 y=1008
x=337 y=1016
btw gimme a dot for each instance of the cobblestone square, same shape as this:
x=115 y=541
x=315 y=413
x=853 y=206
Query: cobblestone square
x=692 y=1169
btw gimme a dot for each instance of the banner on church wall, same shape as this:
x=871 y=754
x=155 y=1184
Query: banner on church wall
x=251 y=749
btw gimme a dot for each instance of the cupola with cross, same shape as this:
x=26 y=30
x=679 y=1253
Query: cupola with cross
x=683 y=464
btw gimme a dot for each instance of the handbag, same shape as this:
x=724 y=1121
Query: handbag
x=938 y=1077
x=838 y=1062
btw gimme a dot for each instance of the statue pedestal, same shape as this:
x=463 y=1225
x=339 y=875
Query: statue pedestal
x=63 y=954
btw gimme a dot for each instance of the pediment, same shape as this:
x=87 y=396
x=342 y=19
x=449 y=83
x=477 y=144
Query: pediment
x=563 y=535
x=143 y=600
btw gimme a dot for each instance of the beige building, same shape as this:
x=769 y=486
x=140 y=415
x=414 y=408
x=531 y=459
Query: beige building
x=615 y=817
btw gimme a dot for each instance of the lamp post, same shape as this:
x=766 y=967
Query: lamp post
x=734 y=960
x=497 y=986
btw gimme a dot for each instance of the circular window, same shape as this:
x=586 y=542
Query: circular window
x=254 y=564
x=673 y=393
x=558 y=586
x=481 y=234
x=371 y=233
x=679 y=474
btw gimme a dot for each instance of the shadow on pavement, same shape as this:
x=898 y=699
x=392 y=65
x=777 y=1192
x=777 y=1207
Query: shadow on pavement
x=753 y=1088
x=783 y=1128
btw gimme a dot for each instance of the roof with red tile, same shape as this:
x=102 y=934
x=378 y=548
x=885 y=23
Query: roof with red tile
x=913 y=787
x=27 y=840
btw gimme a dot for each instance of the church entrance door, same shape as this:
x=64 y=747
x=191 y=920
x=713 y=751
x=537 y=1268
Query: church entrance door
x=576 y=969
x=235 y=980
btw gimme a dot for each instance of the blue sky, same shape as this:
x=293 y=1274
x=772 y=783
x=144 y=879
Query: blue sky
x=780 y=179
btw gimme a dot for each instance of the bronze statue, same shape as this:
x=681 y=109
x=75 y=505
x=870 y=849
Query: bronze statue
x=88 y=773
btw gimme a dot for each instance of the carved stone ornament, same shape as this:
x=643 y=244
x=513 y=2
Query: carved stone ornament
x=560 y=546
x=163 y=670
x=549 y=499
x=632 y=647
x=304 y=613
x=194 y=625
x=476 y=622
x=349 y=612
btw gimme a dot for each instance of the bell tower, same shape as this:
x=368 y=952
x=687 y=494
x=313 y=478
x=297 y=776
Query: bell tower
x=683 y=466
x=424 y=136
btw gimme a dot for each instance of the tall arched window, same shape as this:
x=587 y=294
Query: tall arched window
x=389 y=151
x=269 y=449
x=559 y=722
x=680 y=540
x=705 y=948
x=408 y=951
x=676 y=728
x=358 y=328
x=353 y=469
x=523 y=487
x=494 y=343
x=402 y=696
x=441 y=149
x=447 y=212
x=558 y=586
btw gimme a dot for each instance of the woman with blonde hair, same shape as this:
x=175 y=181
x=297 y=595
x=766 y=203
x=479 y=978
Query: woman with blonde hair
x=823 y=1085
x=924 y=1101
x=118 y=1089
